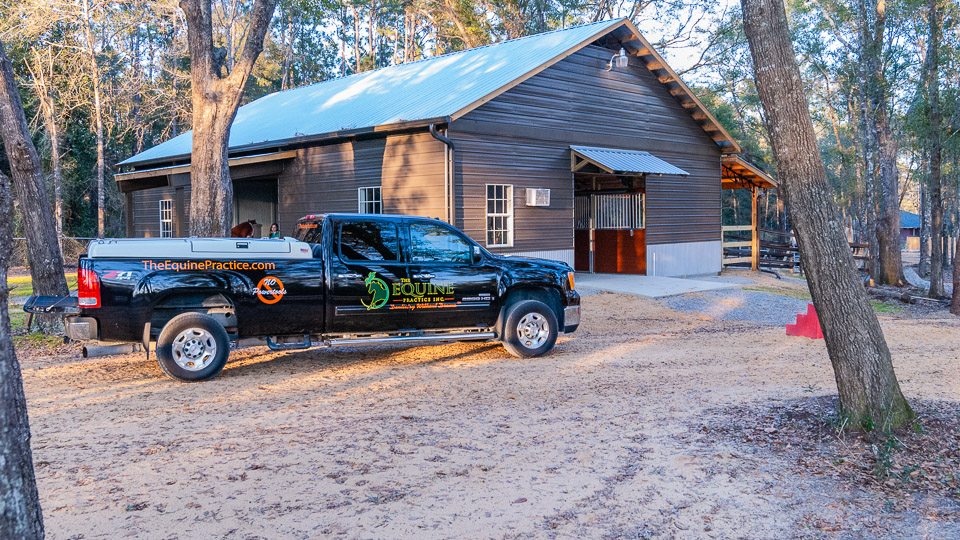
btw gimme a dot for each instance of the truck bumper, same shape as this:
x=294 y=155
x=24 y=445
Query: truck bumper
x=571 y=312
x=571 y=319
x=81 y=328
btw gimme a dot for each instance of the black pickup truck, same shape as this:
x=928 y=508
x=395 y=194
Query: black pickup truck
x=345 y=279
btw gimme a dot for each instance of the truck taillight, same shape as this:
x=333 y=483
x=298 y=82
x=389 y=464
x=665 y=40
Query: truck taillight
x=88 y=288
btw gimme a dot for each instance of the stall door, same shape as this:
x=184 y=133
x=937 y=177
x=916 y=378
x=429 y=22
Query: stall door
x=610 y=235
x=255 y=199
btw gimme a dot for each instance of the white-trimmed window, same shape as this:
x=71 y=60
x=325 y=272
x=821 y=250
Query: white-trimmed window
x=499 y=215
x=369 y=200
x=166 y=218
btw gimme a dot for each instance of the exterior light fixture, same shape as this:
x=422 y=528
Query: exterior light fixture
x=618 y=60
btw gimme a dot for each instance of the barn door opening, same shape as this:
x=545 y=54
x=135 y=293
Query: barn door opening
x=257 y=200
x=609 y=233
x=609 y=187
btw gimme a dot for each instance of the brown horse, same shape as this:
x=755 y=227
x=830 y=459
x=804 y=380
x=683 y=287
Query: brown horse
x=243 y=230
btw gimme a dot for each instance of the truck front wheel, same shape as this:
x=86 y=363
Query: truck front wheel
x=531 y=329
x=192 y=347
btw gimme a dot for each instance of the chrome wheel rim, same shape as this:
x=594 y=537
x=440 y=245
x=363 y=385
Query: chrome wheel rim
x=194 y=349
x=533 y=330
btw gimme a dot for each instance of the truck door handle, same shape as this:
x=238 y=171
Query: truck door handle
x=348 y=276
x=424 y=276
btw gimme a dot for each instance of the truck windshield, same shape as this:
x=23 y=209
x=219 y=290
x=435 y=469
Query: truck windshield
x=309 y=228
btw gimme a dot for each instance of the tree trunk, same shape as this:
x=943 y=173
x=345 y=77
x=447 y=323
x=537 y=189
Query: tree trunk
x=211 y=204
x=869 y=186
x=285 y=75
x=955 y=301
x=934 y=153
x=43 y=85
x=97 y=113
x=43 y=252
x=20 y=514
x=371 y=38
x=869 y=393
x=356 y=38
x=923 y=268
x=888 y=225
x=174 y=96
x=215 y=101
x=870 y=198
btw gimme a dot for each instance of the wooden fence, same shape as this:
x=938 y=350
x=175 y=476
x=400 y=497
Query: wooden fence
x=733 y=252
x=773 y=249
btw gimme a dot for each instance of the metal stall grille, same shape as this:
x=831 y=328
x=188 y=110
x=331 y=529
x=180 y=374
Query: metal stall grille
x=609 y=211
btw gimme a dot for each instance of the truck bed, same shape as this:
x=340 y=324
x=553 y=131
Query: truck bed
x=200 y=248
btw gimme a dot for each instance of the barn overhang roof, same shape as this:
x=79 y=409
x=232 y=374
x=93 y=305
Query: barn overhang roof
x=738 y=173
x=434 y=90
x=618 y=161
x=166 y=176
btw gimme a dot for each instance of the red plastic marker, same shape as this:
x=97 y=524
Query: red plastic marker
x=808 y=325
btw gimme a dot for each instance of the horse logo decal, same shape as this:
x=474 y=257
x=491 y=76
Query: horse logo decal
x=378 y=288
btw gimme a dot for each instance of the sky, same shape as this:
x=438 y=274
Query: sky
x=681 y=58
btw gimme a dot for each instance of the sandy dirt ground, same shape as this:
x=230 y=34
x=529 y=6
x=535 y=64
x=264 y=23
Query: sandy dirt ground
x=602 y=438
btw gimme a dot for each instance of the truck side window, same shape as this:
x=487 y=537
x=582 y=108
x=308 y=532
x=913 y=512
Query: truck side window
x=369 y=241
x=434 y=243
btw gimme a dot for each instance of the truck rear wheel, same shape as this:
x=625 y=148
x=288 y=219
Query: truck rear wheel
x=192 y=347
x=531 y=329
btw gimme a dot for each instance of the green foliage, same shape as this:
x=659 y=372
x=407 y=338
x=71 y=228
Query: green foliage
x=884 y=452
x=21 y=287
x=36 y=340
x=885 y=307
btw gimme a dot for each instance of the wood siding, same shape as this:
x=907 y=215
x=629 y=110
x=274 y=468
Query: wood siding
x=522 y=137
x=408 y=168
x=146 y=210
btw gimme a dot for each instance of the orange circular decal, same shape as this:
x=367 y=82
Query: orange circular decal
x=270 y=290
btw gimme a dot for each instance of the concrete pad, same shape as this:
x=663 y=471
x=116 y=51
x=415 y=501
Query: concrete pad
x=648 y=286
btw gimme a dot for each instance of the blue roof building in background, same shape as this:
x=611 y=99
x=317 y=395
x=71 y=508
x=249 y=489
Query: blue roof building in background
x=909 y=220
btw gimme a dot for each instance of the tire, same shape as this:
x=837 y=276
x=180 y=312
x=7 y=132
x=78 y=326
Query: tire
x=192 y=347
x=531 y=329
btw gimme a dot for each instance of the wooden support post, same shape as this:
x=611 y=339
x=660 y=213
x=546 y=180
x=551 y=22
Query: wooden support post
x=755 y=230
x=180 y=226
x=128 y=209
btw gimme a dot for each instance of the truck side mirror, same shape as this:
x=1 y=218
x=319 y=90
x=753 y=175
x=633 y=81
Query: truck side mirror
x=477 y=254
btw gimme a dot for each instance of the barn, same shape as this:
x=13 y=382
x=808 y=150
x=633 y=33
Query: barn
x=580 y=145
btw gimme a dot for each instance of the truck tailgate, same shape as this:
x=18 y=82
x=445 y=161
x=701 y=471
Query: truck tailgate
x=65 y=305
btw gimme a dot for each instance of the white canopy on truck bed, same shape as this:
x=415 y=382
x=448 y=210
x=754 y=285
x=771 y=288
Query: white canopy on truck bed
x=200 y=248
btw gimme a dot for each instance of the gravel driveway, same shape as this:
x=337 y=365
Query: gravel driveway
x=599 y=439
x=741 y=305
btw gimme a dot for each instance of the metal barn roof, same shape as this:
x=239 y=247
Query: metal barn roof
x=909 y=220
x=438 y=89
x=614 y=160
